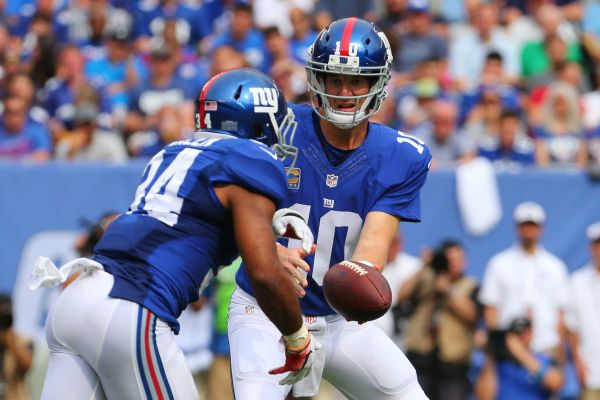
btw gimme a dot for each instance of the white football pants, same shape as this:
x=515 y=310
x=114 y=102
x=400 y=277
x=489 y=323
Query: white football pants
x=360 y=360
x=101 y=347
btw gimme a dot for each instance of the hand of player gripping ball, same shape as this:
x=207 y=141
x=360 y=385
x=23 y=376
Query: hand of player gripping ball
x=298 y=362
x=290 y=224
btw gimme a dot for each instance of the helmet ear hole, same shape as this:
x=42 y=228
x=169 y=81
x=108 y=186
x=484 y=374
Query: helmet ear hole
x=238 y=93
x=258 y=130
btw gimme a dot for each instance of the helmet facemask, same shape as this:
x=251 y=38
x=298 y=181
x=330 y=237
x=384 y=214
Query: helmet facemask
x=285 y=131
x=320 y=100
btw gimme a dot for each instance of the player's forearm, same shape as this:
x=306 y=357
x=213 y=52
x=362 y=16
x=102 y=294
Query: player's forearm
x=464 y=308
x=375 y=238
x=278 y=301
x=273 y=287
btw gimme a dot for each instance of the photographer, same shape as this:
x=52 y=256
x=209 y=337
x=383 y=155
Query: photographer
x=517 y=372
x=16 y=356
x=440 y=332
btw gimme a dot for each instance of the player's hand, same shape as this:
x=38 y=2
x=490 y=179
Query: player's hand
x=298 y=362
x=290 y=224
x=294 y=264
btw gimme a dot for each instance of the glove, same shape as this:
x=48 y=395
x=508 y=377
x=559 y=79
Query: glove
x=298 y=363
x=290 y=224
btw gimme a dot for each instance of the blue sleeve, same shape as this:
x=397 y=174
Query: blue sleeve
x=403 y=199
x=134 y=97
x=219 y=41
x=253 y=167
x=538 y=132
x=40 y=137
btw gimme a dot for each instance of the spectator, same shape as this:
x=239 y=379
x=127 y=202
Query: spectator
x=185 y=56
x=483 y=119
x=512 y=147
x=150 y=18
x=520 y=372
x=225 y=58
x=276 y=45
x=88 y=143
x=160 y=89
x=468 y=51
x=21 y=138
x=168 y=129
x=557 y=128
x=440 y=332
x=116 y=72
x=535 y=55
x=16 y=355
x=94 y=21
x=243 y=37
x=20 y=84
x=303 y=35
x=447 y=144
x=42 y=64
x=399 y=267
x=527 y=281
x=327 y=11
x=593 y=149
x=277 y=13
x=50 y=10
x=60 y=93
x=556 y=56
x=583 y=319
x=393 y=17
x=493 y=72
x=419 y=43
x=415 y=102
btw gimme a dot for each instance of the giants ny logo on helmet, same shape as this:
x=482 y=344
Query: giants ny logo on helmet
x=265 y=100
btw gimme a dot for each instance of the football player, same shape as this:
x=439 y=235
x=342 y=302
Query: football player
x=353 y=181
x=111 y=331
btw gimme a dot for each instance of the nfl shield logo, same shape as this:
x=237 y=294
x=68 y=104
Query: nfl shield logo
x=332 y=180
x=309 y=319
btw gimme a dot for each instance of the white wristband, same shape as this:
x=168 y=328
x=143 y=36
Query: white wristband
x=367 y=263
x=285 y=212
x=296 y=339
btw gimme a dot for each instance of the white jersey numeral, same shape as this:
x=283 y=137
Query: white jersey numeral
x=411 y=140
x=327 y=224
x=161 y=199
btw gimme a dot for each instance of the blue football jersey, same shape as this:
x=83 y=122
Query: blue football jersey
x=384 y=174
x=176 y=233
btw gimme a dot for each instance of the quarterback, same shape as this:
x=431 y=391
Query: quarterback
x=353 y=181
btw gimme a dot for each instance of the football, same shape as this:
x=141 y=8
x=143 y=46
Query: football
x=356 y=291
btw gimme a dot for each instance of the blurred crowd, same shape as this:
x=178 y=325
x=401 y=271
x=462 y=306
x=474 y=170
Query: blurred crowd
x=515 y=81
x=529 y=330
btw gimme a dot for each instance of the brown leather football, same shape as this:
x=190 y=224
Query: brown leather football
x=356 y=291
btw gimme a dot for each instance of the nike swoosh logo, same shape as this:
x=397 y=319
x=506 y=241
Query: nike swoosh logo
x=268 y=151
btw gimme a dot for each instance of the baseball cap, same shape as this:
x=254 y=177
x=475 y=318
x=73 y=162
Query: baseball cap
x=159 y=49
x=426 y=88
x=418 y=6
x=86 y=112
x=529 y=211
x=520 y=325
x=593 y=232
x=118 y=33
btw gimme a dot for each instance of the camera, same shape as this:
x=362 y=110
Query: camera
x=497 y=338
x=6 y=315
x=439 y=261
